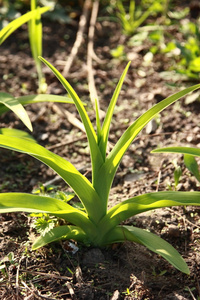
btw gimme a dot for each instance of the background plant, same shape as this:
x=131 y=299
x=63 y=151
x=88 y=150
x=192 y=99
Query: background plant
x=93 y=224
x=132 y=18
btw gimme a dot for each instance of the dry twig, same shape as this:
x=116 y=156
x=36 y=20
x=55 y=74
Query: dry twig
x=79 y=36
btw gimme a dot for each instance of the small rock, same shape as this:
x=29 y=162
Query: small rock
x=173 y=231
x=92 y=257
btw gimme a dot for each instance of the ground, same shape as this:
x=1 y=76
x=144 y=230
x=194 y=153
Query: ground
x=126 y=271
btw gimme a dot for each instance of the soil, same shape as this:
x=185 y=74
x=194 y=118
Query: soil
x=124 y=271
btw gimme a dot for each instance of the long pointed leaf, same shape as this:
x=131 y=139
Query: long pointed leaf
x=152 y=242
x=16 y=133
x=106 y=124
x=13 y=202
x=146 y=202
x=108 y=169
x=96 y=156
x=80 y=184
x=28 y=99
x=12 y=26
x=58 y=233
x=13 y=104
x=180 y=150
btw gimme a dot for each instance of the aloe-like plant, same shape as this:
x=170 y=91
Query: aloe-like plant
x=94 y=224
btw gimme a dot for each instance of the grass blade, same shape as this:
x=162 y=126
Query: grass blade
x=28 y=99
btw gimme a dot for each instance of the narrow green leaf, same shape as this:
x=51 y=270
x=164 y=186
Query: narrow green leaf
x=16 y=133
x=180 y=150
x=106 y=124
x=14 y=105
x=108 y=170
x=96 y=156
x=189 y=160
x=60 y=233
x=22 y=202
x=192 y=165
x=152 y=242
x=80 y=184
x=28 y=99
x=12 y=26
x=146 y=202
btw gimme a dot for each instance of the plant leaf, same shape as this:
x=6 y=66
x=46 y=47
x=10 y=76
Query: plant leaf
x=145 y=202
x=12 y=26
x=108 y=169
x=13 y=104
x=192 y=165
x=106 y=124
x=96 y=157
x=16 y=133
x=152 y=242
x=80 y=184
x=58 y=233
x=180 y=150
x=28 y=99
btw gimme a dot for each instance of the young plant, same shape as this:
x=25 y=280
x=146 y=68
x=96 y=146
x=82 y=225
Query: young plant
x=92 y=223
x=134 y=18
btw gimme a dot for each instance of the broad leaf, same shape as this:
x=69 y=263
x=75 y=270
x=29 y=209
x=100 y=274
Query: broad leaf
x=58 y=233
x=79 y=183
x=146 y=202
x=151 y=241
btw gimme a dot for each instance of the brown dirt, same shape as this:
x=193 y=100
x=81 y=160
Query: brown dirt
x=127 y=271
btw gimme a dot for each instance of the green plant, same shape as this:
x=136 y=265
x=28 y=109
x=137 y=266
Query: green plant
x=135 y=17
x=94 y=224
x=188 y=60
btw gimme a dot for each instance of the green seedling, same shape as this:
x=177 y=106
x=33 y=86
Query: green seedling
x=92 y=223
x=188 y=60
x=177 y=174
x=189 y=159
x=35 y=37
x=134 y=18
